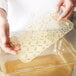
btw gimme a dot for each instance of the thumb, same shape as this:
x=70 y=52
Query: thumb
x=58 y=6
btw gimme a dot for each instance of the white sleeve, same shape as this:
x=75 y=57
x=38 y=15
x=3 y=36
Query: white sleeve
x=4 y=5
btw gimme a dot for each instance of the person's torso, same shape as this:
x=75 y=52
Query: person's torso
x=22 y=12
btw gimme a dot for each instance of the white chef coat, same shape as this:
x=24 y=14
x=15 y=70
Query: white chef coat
x=22 y=12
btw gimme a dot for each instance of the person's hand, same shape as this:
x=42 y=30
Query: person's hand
x=4 y=35
x=67 y=7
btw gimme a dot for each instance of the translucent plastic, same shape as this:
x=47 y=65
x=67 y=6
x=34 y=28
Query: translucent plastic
x=46 y=48
x=54 y=61
x=40 y=35
x=41 y=66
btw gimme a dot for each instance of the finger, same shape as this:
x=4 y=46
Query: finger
x=59 y=4
x=16 y=47
x=66 y=10
x=71 y=12
x=7 y=49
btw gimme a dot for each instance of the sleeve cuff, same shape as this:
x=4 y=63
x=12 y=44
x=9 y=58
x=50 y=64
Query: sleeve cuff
x=4 y=5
